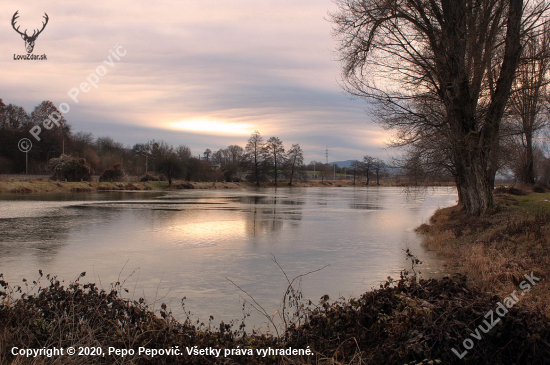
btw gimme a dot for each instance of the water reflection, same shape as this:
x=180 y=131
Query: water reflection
x=270 y=213
x=367 y=198
x=188 y=242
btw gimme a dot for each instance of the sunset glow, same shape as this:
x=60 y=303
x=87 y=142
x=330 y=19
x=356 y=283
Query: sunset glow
x=207 y=74
x=213 y=127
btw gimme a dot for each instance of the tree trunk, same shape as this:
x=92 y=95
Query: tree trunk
x=475 y=149
x=256 y=169
x=529 y=174
x=474 y=182
x=275 y=172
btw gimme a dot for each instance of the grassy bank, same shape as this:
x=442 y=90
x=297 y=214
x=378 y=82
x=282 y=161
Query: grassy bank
x=496 y=250
x=22 y=185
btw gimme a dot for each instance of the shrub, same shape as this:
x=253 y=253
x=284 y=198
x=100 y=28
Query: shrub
x=149 y=177
x=539 y=189
x=69 y=168
x=509 y=190
x=115 y=173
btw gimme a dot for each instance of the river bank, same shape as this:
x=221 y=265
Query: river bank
x=42 y=184
x=496 y=250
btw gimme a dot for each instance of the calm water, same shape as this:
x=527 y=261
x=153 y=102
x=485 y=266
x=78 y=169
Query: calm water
x=186 y=243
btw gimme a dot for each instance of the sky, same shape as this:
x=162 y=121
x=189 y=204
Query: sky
x=202 y=73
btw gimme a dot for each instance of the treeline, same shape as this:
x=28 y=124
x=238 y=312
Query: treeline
x=257 y=162
x=16 y=123
x=68 y=155
x=369 y=168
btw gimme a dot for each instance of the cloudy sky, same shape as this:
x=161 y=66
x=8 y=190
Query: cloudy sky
x=205 y=73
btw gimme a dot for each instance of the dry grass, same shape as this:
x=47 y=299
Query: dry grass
x=496 y=250
x=22 y=184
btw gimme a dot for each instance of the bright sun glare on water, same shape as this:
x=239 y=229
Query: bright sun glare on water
x=211 y=126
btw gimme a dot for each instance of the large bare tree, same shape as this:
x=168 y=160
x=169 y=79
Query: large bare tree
x=295 y=158
x=236 y=153
x=458 y=57
x=529 y=104
x=368 y=164
x=274 y=156
x=255 y=155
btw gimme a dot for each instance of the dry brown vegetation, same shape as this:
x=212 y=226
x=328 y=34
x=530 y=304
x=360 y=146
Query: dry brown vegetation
x=409 y=321
x=44 y=185
x=497 y=249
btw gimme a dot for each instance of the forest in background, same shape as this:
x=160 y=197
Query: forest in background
x=60 y=148
x=255 y=162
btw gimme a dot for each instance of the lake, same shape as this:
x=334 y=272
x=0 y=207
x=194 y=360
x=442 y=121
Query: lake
x=186 y=243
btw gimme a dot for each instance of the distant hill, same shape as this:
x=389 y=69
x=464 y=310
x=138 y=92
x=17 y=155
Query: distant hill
x=392 y=170
x=342 y=163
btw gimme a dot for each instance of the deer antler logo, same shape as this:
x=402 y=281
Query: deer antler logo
x=29 y=40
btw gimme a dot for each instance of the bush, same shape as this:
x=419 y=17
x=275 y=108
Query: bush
x=539 y=189
x=69 y=168
x=84 y=315
x=115 y=173
x=509 y=190
x=149 y=177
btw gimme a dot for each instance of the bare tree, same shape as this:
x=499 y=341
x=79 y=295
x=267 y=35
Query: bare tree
x=414 y=168
x=207 y=152
x=378 y=167
x=528 y=104
x=324 y=171
x=3 y=115
x=107 y=144
x=295 y=157
x=17 y=117
x=217 y=157
x=255 y=152
x=236 y=153
x=55 y=132
x=367 y=166
x=459 y=56
x=170 y=165
x=183 y=152
x=356 y=166
x=81 y=142
x=274 y=155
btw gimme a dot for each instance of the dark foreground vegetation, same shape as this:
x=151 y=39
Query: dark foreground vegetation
x=408 y=321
